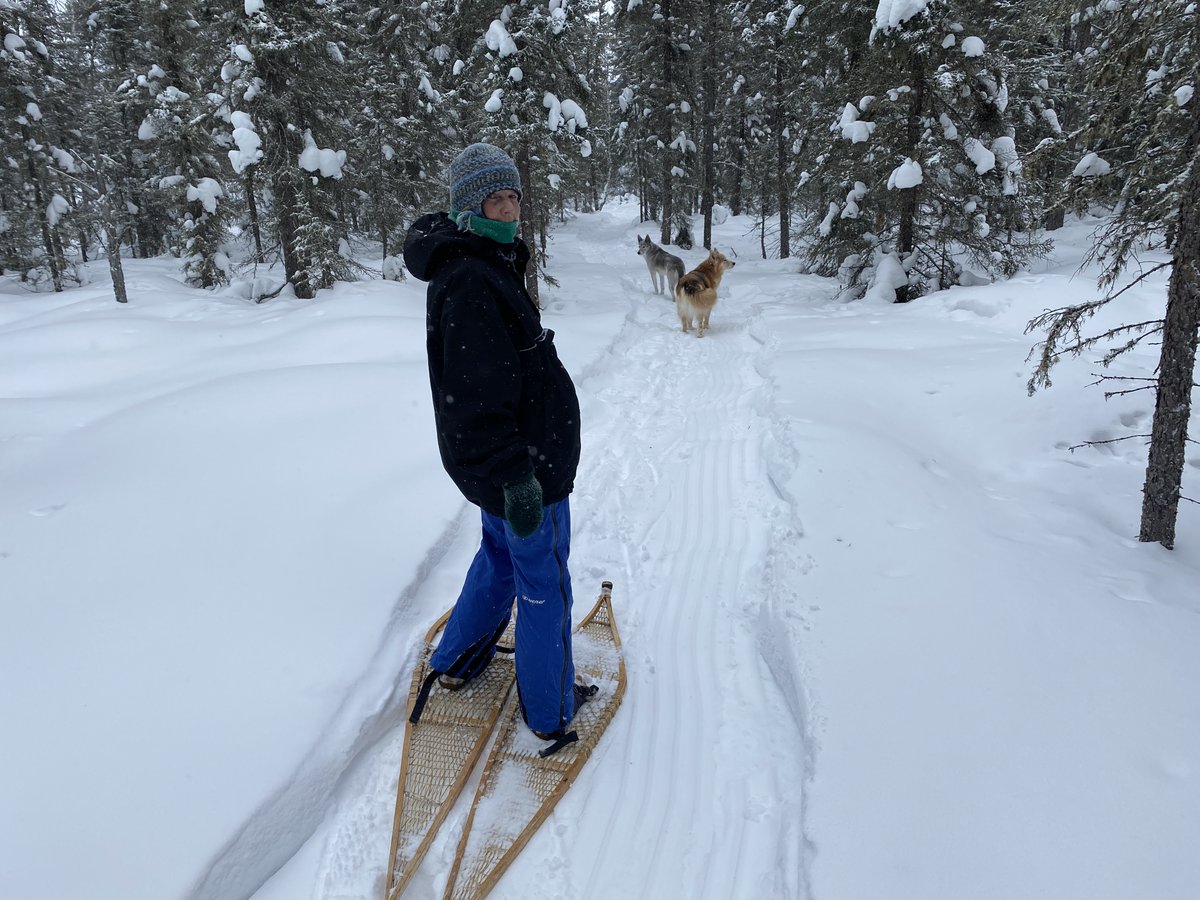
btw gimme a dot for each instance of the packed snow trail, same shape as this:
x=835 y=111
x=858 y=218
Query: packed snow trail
x=675 y=497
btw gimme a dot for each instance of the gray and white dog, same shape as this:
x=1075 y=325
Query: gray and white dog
x=660 y=263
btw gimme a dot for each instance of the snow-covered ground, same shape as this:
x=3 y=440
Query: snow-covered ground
x=887 y=634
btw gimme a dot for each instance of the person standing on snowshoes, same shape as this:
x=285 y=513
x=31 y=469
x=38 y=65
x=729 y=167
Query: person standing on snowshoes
x=507 y=420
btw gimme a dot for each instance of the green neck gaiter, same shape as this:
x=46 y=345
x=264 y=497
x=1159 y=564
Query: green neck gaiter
x=500 y=232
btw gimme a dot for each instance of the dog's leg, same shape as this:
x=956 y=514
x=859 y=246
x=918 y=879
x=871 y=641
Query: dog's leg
x=681 y=310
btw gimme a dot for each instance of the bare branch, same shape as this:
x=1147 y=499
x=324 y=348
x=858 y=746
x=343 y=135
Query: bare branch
x=1100 y=376
x=1108 y=395
x=1142 y=277
x=1109 y=441
x=1150 y=384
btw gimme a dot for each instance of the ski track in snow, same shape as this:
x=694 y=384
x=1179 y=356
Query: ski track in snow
x=677 y=503
x=678 y=495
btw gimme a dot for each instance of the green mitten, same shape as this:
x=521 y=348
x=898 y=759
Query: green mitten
x=523 y=506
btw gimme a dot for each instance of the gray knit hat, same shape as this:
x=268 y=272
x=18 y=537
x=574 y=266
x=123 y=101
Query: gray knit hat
x=478 y=171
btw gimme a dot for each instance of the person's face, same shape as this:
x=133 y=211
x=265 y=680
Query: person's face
x=502 y=206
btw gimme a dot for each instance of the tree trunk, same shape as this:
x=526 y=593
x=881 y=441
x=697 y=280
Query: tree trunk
x=1055 y=217
x=529 y=216
x=112 y=239
x=643 y=188
x=782 y=188
x=112 y=247
x=39 y=197
x=285 y=186
x=287 y=203
x=910 y=201
x=255 y=229
x=1176 y=368
x=285 y=178
x=147 y=243
x=60 y=253
x=739 y=168
x=762 y=224
x=707 y=132
x=667 y=200
x=668 y=91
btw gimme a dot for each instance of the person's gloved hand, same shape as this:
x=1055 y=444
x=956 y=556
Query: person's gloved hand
x=523 y=505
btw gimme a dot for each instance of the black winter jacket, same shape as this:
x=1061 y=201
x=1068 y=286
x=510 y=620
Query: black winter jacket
x=503 y=403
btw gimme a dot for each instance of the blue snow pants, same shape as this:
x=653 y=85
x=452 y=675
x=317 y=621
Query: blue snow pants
x=532 y=570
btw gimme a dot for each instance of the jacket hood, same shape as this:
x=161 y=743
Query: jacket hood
x=434 y=239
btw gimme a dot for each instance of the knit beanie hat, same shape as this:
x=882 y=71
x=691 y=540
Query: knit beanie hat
x=478 y=171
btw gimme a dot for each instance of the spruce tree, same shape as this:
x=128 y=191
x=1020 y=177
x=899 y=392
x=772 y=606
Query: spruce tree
x=520 y=89
x=119 y=62
x=923 y=171
x=781 y=48
x=713 y=50
x=107 y=168
x=179 y=135
x=631 y=108
x=33 y=191
x=658 y=97
x=401 y=118
x=591 y=181
x=1142 y=137
x=287 y=84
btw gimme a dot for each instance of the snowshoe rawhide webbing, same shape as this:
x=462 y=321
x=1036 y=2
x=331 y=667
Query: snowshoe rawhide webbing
x=519 y=787
x=440 y=751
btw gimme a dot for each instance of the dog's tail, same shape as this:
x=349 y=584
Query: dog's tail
x=690 y=284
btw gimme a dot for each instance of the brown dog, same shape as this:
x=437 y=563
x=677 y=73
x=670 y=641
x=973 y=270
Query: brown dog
x=696 y=292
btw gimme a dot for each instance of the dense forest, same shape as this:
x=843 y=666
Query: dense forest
x=900 y=146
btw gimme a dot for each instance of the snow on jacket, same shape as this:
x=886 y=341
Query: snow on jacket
x=503 y=403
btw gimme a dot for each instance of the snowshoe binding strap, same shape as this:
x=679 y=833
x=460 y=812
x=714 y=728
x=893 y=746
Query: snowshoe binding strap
x=561 y=740
x=583 y=693
x=423 y=695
